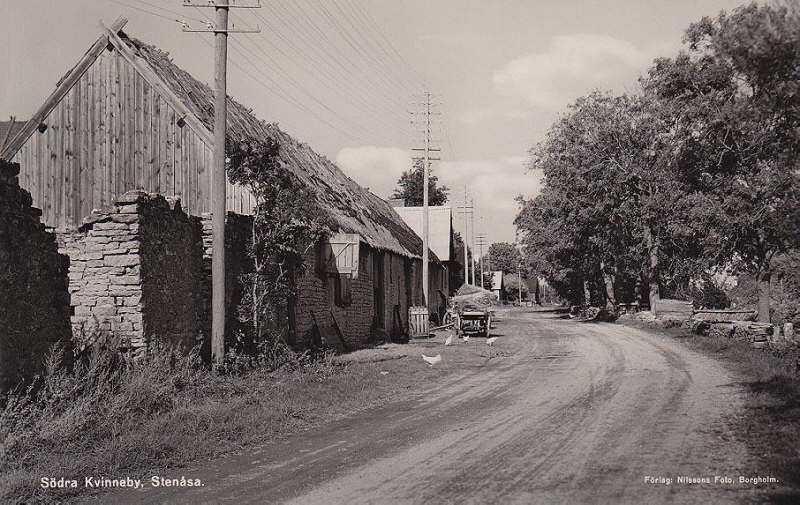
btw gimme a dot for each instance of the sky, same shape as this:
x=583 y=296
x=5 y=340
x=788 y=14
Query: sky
x=346 y=76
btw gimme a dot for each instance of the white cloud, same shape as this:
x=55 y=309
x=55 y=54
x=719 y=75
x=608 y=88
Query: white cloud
x=477 y=115
x=493 y=185
x=377 y=168
x=570 y=67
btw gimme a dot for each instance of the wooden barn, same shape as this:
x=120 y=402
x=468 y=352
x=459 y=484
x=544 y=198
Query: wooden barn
x=125 y=117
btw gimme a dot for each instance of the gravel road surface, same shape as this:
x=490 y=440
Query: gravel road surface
x=559 y=412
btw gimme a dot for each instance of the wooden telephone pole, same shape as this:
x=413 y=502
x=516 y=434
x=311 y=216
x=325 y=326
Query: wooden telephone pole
x=481 y=242
x=467 y=210
x=218 y=180
x=426 y=163
x=472 y=228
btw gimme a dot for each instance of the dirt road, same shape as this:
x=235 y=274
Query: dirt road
x=558 y=412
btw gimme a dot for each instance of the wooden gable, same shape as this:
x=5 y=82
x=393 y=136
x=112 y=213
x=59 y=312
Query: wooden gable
x=112 y=126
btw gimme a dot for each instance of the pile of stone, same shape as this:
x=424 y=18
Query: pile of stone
x=724 y=315
x=758 y=334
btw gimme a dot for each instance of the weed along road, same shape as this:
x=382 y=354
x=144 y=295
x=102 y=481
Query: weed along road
x=555 y=412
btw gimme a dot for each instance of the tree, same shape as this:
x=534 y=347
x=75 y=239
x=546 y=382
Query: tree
x=610 y=201
x=736 y=95
x=287 y=224
x=411 y=185
x=503 y=256
x=512 y=287
x=456 y=269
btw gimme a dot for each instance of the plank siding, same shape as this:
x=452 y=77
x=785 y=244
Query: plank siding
x=85 y=180
x=155 y=177
x=138 y=120
x=126 y=133
x=113 y=159
x=165 y=143
x=110 y=133
x=177 y=140
x=147 y=134
x=99 y=118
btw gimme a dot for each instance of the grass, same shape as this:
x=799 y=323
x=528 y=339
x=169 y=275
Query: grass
x=770 y=426
x=115 y=417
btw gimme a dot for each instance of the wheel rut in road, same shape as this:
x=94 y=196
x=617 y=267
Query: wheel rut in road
x=562 y=412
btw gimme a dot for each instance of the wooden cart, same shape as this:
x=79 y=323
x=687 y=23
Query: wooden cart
x=474 y=321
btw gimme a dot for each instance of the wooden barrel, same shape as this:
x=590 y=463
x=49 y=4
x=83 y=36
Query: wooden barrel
x=418 y=322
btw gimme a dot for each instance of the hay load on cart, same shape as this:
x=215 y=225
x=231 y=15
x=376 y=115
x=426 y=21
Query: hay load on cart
x=471 y=310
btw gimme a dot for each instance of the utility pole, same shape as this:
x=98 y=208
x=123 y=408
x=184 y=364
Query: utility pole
x=426 y=162
x=481 y=242
x=220 y=30
x=519 y=271
x=467 y=210
x=472 y=228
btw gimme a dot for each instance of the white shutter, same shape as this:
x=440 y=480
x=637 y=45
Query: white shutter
x=342 y=255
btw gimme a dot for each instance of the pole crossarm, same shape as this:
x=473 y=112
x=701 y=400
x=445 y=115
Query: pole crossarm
x=223 y=5
x=213 y=30
x=218 y=197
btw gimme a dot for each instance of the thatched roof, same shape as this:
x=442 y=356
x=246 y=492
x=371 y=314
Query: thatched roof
x=353 y=208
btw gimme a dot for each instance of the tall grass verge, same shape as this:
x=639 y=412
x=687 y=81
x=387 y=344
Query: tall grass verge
x=112 y=416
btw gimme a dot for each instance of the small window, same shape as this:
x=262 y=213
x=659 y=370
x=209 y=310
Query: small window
x=319 y=259
x=343 y=290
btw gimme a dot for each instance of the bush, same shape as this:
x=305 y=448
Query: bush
x=707 y=294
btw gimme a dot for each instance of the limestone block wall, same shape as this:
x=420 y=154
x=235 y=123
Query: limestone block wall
x=136 y=271
x=34 y=301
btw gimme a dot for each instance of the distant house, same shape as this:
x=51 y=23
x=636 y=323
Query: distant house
x=497 y=284
x=125 y=117
x=9 y=129
x=440 y=232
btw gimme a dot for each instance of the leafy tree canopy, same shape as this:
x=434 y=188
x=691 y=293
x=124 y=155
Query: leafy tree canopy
x=411 y=188
x=503 y=256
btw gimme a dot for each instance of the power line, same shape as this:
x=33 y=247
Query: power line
x=372 y=24
x=346 y=35
x=348 y=60
x=323 y=65
x=331 y=85
x=146 y=11
x=295 y=84
x=281 y=92
x=367 y=30
x=244 y=51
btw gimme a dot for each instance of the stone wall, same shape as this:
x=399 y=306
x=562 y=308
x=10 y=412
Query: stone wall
x=136 y=271
x=34 y=301
x=238 y=235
